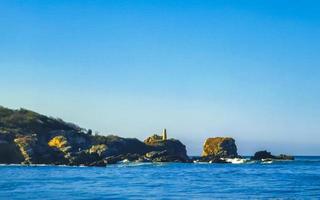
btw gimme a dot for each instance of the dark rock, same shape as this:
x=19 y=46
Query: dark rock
x=112 y=159
x=209 y=159
x=99 y=163
x=163 y=156
x=262 y=155
x=10 y=153
x=169 y=151
x=265 y=155
x=155 y=154
x=83 y=158
x=119 y=158
x=284 y=157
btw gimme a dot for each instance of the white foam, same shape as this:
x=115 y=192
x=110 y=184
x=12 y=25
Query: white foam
x=266 y=161
x=235 y=160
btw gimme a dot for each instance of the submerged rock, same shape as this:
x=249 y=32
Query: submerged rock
x=223 y=147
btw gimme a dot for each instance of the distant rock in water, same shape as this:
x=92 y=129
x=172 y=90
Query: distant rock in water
x=216 y=150
x=224 y=147
x=262 y=155
x=285 y=157
x=265 y=155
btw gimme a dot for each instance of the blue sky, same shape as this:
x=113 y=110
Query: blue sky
x=246 y=69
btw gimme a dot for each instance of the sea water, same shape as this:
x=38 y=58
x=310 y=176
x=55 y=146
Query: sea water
x=299 y=179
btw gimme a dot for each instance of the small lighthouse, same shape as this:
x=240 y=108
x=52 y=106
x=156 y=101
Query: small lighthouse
x=164 y=134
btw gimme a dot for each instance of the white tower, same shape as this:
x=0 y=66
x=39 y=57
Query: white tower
x=164 y=134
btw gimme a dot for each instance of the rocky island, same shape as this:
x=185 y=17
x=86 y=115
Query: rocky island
x=27 y=137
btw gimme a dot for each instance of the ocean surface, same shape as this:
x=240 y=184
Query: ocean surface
x=299 y=179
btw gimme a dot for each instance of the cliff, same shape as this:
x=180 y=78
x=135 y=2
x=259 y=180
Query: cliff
x=27 y=137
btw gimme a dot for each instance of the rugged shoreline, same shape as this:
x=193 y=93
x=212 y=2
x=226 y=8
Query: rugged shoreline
x=30 y=138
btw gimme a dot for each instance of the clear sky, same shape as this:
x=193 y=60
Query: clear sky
x=246 y=69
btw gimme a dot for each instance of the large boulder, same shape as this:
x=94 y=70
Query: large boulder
x=223 y=147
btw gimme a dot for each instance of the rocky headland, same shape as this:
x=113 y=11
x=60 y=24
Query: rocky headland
x=27 y=137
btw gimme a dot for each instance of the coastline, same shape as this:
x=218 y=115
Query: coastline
x=27 y=137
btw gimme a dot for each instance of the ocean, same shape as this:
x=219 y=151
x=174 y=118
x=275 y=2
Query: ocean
x=299 y=179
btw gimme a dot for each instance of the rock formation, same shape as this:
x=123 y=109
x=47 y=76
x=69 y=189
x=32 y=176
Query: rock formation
x=263 y=155
x=167 y=150
x=153 y=139
x=224 y=147
x=27 y=137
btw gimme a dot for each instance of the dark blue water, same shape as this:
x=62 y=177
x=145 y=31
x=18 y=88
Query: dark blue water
x=298 y=179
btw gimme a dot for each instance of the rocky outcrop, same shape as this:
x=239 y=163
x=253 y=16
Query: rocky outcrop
x=36 y=152
x=262 y=155
x=153 y=139
x=27 y=144
x=169 y=150
x=27 y=137
x=122 y=158
x=209 y=159
x=284 y=157
x=99 y=149
x=30 y=138
x=224 y=147
x=265 y=155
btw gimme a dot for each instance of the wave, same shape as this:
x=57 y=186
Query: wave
x=236 y=160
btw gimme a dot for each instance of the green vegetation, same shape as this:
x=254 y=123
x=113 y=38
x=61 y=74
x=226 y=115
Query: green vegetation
x=26 y=122
x=30 y=138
